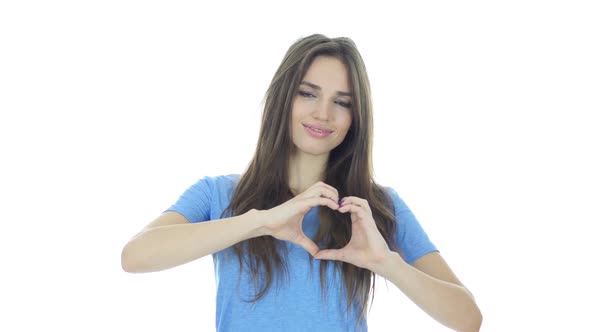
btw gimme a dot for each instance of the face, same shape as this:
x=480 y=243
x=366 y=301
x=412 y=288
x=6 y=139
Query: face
x=322 y=113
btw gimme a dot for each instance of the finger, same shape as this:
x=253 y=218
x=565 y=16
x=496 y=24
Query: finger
x=330 y=254
x=315 y=201
x=308 y=245
x=325 y=185
x=324 y=190
x=330 y=194
x=357 y=201
x=352 y=209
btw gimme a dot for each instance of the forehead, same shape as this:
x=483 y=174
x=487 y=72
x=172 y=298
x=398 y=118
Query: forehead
x=330 y=73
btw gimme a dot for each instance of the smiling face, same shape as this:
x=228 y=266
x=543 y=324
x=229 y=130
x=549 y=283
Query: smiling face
x=322 y=114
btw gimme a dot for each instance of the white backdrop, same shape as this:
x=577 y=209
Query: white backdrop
x=111 y=109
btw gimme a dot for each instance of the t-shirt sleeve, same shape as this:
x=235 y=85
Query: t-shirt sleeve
x=195 y=203
x=410 y=237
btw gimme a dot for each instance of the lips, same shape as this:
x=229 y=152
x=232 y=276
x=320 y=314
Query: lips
x=318 y=129
x=318 y=132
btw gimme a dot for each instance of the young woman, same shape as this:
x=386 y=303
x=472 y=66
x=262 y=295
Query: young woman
x=298 y=238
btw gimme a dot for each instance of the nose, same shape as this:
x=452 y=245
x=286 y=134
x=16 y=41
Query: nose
x=322 y=110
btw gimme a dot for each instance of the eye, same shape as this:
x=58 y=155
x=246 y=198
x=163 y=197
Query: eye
x=344 y=104
x=306 y=94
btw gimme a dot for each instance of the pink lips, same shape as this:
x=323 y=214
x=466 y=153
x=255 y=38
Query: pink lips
x=318 y=132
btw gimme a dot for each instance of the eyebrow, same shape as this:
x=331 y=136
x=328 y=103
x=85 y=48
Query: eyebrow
x=317 y=87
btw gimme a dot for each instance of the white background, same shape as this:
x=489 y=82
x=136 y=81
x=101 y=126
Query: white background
x=111 y=109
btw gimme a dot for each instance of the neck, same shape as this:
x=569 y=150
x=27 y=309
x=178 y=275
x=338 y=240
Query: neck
x=305 y=170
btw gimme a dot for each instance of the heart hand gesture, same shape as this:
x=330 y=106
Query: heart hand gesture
x=284 y=222
x=367 y=248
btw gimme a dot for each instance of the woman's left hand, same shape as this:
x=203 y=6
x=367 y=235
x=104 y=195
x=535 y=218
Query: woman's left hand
x=367 y=248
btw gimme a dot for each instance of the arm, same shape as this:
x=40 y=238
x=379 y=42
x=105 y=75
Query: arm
x=431 y=284
x=171 y=240
x=428 y=282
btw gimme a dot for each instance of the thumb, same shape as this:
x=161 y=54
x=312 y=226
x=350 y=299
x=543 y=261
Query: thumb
x=330 y=254
x=308 y=245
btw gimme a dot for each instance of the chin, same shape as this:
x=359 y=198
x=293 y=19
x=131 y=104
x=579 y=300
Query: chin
x=314 y=151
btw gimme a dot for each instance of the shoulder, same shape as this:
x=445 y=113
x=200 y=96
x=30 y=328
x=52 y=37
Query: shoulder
x=410 y=237
x=218 y=182
x=210 y=186
x=206 y=197
x=392 y=197
x=402 y=212
x=219 y=187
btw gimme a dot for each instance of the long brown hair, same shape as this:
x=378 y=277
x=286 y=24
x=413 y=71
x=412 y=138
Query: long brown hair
x=264 y=184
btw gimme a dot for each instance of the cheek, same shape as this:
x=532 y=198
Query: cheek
x=296 y=110
x=346 y=121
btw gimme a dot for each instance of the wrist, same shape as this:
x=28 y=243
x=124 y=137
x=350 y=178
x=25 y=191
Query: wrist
x=258 y=218
x=389 y=260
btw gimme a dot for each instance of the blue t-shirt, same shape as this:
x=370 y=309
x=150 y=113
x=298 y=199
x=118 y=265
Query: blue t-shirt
x=296 y=302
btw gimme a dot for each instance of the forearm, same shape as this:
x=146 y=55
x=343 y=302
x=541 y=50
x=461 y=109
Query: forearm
x=164 y=247
x=450 y=304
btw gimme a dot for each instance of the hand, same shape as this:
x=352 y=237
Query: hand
x=367 y=248
x=284 y=222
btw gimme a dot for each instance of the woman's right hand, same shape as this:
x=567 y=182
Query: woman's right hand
x=284 y=222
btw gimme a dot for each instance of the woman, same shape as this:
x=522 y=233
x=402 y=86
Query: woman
x=298 y=238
